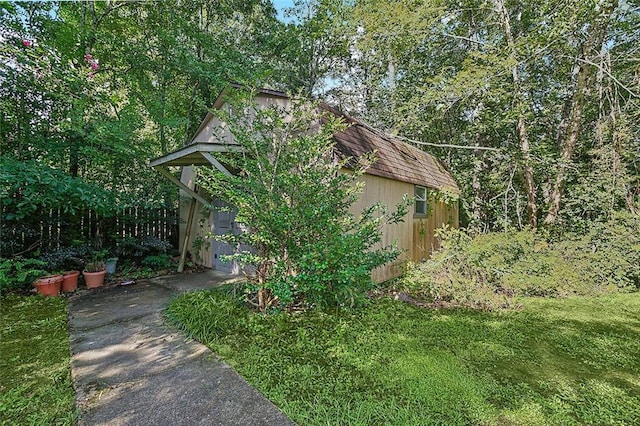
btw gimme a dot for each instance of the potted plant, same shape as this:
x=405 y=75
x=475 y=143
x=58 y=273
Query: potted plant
x=94 y=273
x=48 y=285
x=70 y=281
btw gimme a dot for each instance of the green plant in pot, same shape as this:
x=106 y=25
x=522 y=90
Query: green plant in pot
x=94 y=273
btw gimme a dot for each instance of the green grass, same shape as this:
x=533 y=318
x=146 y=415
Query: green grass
x=35 y=373
x=560 y=361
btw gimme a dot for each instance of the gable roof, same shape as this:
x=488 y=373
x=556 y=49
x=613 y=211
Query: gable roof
x=394 y=159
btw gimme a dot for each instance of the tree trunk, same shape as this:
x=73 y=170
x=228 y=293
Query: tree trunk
x=74 y=154
x=521 y=126
x=577 y=110
x=391 y=75
x=476 y=203
x=573 y=132
x=529 y=183
x=161 y=125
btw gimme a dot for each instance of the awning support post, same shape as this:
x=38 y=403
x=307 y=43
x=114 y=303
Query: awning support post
x=187 y=234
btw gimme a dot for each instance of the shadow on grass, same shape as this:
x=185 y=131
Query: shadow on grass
x=35 y=374
x=567 y=361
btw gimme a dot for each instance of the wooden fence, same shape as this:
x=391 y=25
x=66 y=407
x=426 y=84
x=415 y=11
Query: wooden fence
x=53 y=229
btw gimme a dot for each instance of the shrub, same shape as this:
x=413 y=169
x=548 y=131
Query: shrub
x=139 y=247
x=290 y=194
x=453 y=275
x=66 y=258
x=489 y=270
x=29 y=187
x=17 y=273
x=524 y=263
x=158 y=261
x=609 y=252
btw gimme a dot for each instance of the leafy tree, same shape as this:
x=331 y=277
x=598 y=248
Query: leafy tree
x=96 y=89
x=312 y=51
x=544 y=83
x=294 y=198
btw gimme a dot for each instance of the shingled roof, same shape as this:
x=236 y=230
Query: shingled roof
x=394 y=159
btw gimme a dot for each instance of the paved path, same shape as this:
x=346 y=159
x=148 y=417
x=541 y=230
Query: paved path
x=131 y=368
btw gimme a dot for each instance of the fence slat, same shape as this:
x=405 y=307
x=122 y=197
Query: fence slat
x=52 y=228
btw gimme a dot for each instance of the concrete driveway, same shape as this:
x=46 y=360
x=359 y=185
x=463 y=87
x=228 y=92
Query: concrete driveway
x=130 y=367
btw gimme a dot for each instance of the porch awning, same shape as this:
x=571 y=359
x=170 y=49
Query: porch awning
x=198 y=154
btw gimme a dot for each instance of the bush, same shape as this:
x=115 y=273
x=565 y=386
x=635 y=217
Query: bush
x=609 y=252
x=490 y=270
x=29 y=187
x=158 y=261
x=17 y=273
x=453 y=275
x=67 y=258
x=309 y=249
x=140 y=247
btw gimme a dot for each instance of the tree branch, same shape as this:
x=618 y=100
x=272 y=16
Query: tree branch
x=470 y=40
x=444 y=145
x=618 y=82
x=439 y=145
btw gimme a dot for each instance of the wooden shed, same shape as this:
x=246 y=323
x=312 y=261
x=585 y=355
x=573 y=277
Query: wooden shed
x=399 y=169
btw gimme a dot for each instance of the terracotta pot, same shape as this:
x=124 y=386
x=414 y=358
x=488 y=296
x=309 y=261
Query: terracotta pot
x=94 y=279
x=70 y=282
x=48 y=285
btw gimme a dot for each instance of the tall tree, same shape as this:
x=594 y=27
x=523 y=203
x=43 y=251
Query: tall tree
x=590 y=52
x=311 y=51
x=513 y=76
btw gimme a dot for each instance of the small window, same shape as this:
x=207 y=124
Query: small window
x=421 y=200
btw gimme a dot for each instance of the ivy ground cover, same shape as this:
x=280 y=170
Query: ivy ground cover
x=558 y=361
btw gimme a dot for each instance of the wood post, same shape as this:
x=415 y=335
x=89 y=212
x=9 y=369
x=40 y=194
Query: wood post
x=187 y=234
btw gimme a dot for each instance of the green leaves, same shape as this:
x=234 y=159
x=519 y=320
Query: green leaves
x=488 y=270
x=294 y=198
x=29 y=187
x=443 y=72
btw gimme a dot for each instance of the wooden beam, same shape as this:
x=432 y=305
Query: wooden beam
x=187 y=234
x=200 y=147
x=210 y=158
x=174 y=155
x=166 y=173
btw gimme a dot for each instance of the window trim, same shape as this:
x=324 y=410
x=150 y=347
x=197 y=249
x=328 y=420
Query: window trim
x=422 y=200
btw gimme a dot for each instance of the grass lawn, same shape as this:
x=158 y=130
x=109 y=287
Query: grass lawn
x=562 y=361
x=35 y=364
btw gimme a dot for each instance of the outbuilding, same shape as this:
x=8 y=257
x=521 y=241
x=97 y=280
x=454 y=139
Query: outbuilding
x=399 y=169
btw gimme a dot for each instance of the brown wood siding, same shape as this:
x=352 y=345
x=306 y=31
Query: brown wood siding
x=415 y=236
x=424 y=239
x=389 y=192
